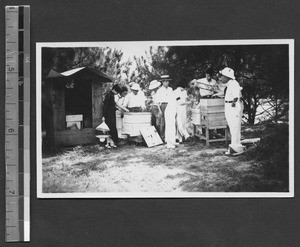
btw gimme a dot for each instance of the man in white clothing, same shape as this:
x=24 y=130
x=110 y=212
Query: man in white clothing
x=207 y=84
x=233 y=110
x=134 y=101
x=162 y=96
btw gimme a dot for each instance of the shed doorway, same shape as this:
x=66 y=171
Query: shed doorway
x=78 y=101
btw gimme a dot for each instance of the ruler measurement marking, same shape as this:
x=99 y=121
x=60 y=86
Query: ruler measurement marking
x=17 y=93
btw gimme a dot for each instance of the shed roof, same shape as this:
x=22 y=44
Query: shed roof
x=54 y=74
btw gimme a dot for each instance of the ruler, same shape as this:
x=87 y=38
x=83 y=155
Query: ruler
x=17 y=123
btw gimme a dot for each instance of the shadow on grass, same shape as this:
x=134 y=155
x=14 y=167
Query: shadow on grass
x=84 y=169
x=229 y=177
x=70 y=177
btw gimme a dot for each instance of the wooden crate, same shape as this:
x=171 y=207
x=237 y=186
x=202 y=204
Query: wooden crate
x=134 y=121
x=212 y=112
x=74 y=119
x=119 y=125
x=212 y=102
x=213 y=119
x=212 y=109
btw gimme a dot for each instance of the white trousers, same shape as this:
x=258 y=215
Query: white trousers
x=234 y=119
x=181 y=121
x=170 y=130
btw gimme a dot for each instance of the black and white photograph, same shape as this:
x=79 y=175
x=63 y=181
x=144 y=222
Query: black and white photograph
x=165 y=119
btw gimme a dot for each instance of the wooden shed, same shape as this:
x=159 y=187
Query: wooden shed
x=73 y=96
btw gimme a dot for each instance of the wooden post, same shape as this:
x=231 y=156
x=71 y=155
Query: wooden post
x=58 y=102
x=194 y=129
x=97 y=101
x=47 y=113
x=207 y=136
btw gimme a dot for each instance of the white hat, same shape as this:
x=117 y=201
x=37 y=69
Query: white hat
x=165 y=78
x=135 y=86
x=154 y=84
x=103 y=127
x=228 y=72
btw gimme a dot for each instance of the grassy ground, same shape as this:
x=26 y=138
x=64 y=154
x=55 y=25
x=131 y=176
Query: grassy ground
x=191 y=167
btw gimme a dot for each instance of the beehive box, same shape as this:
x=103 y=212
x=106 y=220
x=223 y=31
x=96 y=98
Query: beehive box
x=212 y=112
x=196 y=117
x=134 y=121
x=119 y=125
x=74 y=119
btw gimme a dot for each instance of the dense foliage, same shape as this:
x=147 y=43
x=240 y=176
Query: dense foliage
x=272 y=152
x=262 y=70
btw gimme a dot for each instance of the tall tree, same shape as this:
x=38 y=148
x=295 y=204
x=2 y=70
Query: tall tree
x=262 y=70
x=105 y=59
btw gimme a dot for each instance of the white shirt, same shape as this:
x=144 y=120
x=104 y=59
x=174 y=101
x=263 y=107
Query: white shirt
x=120 y=100
x=204 y=84
x=132 y=100
x=154 y=97
x=171 y=107
x=182 y=94
x=163 y=94
x=117 y=97
x=233 y=90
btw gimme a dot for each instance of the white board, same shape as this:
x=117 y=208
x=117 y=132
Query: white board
x=151 y=136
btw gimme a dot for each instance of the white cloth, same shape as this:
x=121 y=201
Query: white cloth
x=117 y=97
x=170 y=115
x=154 y=98
x=234 y=114
x=206 y=87
x=163 y=94
x=181 y=119
x=132 y=100
x=121 y=101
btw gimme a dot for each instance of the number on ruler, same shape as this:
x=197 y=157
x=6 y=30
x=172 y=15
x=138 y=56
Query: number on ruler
x=11 y=69
x=11 y=130
x=12 y=192
x=26 y=59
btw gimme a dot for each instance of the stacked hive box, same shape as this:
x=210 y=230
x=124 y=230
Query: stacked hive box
x=74 y=120
x=133 y=122
x=119 y=125
x=211 y=115
x=212 y=112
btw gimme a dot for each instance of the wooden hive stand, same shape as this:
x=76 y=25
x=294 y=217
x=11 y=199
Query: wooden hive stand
x=210 y=118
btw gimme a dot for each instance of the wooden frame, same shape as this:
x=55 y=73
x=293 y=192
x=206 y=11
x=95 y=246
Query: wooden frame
x=206 y=136
x=57 y=134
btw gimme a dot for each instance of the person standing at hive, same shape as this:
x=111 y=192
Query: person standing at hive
x=162 y=97
x=233 y=110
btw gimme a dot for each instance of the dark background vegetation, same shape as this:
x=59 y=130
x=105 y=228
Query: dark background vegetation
x=159 y=222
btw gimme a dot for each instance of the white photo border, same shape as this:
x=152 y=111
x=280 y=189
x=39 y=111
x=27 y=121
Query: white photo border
x=39 y=175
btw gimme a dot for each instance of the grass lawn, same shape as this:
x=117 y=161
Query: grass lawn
x=190 y=167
